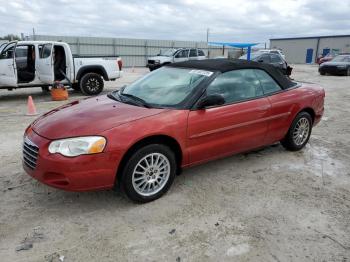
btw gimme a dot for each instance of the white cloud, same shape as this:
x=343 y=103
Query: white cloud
x=250 y=20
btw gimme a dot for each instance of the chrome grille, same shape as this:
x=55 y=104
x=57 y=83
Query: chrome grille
x=30 y=153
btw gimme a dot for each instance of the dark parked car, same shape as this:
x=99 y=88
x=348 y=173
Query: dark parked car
x=270 y=58
x=340 y=65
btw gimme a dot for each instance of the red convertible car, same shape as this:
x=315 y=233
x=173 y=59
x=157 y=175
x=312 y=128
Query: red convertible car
x=180 y=115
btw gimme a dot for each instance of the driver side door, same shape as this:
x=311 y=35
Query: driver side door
x=8 y=71
x=181 y=55
x=45 y=64
x=240 y=124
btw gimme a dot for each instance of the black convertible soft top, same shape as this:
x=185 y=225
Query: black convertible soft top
x=224 y=65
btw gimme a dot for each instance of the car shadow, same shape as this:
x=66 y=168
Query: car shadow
x=71 y=203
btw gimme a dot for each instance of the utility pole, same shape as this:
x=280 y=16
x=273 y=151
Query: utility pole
x=208 y=41
x=33 y=34
x=207 y=35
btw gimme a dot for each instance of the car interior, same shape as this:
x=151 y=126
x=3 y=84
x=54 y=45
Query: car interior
x=25 y=63
x=236 y=85
x=59 y=63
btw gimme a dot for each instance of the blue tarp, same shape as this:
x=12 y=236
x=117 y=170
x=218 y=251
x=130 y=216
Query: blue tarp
x=237 y=45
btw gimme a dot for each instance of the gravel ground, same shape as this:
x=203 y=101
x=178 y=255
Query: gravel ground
x=267 y=205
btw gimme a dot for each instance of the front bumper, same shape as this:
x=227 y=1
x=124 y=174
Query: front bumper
x=332 y=70
x=154 y=66
x=82 y=173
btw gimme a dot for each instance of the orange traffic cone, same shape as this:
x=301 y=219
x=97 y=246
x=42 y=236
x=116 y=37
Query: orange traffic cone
x=31 y=110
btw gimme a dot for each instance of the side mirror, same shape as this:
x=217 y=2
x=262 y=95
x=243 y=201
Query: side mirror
x=260 y=61
x=211 y=100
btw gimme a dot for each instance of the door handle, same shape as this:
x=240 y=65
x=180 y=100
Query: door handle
x=264 y=108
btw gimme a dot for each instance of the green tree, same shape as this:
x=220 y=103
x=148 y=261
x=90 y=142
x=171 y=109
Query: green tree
x=10 y=37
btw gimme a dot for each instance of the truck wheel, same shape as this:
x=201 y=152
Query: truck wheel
x=91 y=84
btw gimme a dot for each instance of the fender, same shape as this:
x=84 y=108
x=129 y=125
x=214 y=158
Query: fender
x=92 y=69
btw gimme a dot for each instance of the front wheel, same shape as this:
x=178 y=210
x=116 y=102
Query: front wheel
x=91 y=84
x=149 y=173
x=299 y=132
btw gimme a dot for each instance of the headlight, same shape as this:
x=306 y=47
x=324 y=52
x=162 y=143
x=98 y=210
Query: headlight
x=341 y=66
x=78 y=146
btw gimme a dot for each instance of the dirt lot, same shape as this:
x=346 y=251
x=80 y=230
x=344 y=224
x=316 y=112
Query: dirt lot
x=269 y=205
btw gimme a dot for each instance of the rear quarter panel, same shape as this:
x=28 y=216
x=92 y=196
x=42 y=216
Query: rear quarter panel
x=110 y=64
x=287 y=104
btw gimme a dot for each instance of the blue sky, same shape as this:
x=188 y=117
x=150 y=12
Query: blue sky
x=235 y=21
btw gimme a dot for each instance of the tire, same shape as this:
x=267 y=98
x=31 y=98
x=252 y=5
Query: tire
x=348 y=72
x=296 y=139
x=45 y=89
x=322 y=73
x=91 y=84
x=138 y=180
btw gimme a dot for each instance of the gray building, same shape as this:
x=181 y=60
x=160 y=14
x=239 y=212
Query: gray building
x=306 y=49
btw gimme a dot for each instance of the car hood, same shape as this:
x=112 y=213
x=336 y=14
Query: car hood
x=88 y=117
x=161 y=58
x=334 y=63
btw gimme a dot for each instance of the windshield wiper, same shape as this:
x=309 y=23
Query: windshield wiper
x=137 y=100
x=115 y=96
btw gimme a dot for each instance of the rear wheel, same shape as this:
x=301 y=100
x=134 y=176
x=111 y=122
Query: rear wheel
x=91 y=84
x=149 y=173
x=299 y=132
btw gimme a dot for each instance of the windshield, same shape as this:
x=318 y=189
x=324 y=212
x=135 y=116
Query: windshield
x=165 y=87
x=340 y=58
x=2 y=46
x=168 y=52
x=252 y=55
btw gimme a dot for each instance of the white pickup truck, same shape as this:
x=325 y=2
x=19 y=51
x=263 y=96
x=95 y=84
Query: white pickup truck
x=41 y=63
x=173 y=56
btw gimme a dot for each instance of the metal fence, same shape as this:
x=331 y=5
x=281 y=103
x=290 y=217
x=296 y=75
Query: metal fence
x=134 y=52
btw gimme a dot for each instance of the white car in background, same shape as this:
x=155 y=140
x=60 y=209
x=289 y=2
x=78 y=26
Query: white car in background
x=26 y=64
x=173 y=56
x=272 y=51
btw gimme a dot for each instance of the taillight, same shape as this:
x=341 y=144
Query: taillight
x=120 y=64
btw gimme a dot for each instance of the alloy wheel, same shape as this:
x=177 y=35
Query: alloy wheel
x=301 y=131
x=151 y=174
x=93 y=84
